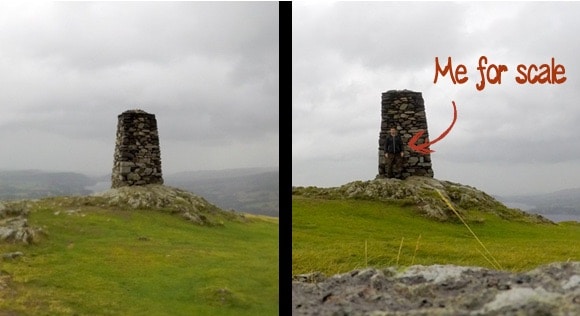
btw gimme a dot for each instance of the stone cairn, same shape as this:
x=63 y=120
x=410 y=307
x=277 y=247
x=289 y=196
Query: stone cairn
x=137 y=158
x=404 y=110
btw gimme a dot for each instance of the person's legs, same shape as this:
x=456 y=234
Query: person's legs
x=389 y=163
x=398 y=166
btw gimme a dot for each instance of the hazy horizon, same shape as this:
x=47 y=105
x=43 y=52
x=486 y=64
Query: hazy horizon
x=164 y=173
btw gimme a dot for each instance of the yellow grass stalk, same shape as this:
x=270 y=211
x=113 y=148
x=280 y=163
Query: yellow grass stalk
x=400 y=247
x=416 y=248
x=495 y=264
x=366 y=257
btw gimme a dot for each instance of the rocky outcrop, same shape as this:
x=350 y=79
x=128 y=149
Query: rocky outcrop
x=440 y=290
x=423 y=193
x=14 y=224
x=156 y=197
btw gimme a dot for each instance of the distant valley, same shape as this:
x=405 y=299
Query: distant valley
x=563 y=205
x=250 y=190
x=32 y=184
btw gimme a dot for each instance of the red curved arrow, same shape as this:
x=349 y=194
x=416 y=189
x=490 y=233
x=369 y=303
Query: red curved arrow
x=424 y=148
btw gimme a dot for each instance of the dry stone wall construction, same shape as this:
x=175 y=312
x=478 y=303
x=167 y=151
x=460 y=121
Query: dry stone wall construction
x=137 y=158
x=405 y=110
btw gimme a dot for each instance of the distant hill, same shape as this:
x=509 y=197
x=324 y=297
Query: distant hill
x=251 y=190
x=31 y=184
x=558 y=206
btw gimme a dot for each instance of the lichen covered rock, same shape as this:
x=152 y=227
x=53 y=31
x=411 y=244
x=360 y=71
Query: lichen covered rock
x=14 y=226
x=423 y=193
x=553 y=289
x=161 y=198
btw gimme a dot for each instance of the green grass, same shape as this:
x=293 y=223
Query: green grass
x=329 y=236
x=114 y=262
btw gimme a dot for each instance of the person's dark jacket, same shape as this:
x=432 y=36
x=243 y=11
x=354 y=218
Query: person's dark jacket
x=393 y=145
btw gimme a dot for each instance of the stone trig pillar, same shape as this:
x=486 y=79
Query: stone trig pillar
x=405 y=110
x=137 y=158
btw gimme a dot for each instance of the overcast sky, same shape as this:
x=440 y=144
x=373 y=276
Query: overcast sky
x=508 y=139
x=208 y=71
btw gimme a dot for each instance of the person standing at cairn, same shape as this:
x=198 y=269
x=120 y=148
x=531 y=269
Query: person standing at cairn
x=405 y=110
x=394 y=154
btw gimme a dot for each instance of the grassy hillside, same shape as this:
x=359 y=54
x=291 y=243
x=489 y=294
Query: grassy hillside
x=329 y=235
x=99 y=260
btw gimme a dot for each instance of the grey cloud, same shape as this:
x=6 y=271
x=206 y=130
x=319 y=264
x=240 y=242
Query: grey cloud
x=207 y=70
x=94 y=35
x=383 y=34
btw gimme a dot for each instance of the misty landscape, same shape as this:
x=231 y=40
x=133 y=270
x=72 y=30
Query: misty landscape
x=248 y=190
x=563 y=205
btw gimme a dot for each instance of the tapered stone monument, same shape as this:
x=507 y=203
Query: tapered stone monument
x=137 y=159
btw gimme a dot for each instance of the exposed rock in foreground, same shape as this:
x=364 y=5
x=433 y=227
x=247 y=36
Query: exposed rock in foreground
x=422 y=193
x=440 y=290
x=14 y=224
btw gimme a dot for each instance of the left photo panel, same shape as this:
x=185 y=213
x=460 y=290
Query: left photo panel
x=140 y=158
